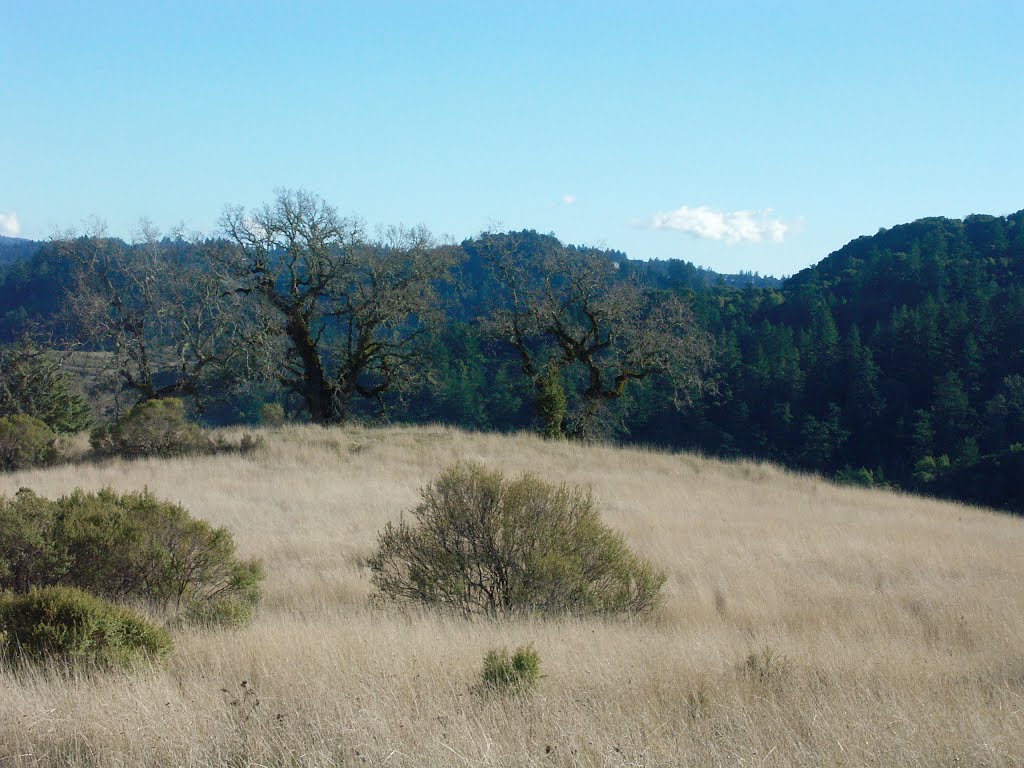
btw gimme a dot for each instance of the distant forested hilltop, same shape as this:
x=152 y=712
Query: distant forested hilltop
x=16 y=249
x=898 y=359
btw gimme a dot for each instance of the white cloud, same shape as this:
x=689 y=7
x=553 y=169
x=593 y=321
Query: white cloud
x=9 y=224
x=568 y=199
x=730 y=226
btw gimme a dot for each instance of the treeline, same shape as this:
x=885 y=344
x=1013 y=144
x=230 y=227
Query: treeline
x=898 y=360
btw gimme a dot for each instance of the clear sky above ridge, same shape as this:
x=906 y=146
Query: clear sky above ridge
x=756 y=136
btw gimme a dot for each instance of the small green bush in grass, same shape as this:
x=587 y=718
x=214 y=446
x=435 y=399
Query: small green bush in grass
x=517 y=672
x=272 y=415
x=249 y=444
x=481 y=543
x=27 y=442
x=68 y=624
x=152 y=428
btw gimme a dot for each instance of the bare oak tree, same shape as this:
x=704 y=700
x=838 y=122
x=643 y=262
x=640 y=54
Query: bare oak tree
x=349 y=311
x=158 y=313
x=573 y=319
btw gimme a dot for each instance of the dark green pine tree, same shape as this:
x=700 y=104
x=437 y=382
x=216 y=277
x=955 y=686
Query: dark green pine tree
x=819 y=352
x=862 y=402
x=821 y=440
x=32 y=383
x=952 y=415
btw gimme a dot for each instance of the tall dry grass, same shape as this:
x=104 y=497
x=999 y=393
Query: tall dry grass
x=805 y=625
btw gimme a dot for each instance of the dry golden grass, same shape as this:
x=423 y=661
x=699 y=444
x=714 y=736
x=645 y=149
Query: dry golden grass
x=880 y=629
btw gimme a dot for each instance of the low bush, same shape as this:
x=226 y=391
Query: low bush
x=32 y=552
x=249 y=443
x=481 y=543
x=68 y=624
x=127 y=546
x=27 y=442
x=516 y=672
x=136 y=545
x=272 y=415
x=858 y=477
x=152 y=428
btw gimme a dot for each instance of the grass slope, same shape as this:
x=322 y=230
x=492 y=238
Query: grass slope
x=806 y=624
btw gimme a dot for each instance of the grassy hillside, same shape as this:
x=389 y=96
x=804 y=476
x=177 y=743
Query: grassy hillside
x=806 y=624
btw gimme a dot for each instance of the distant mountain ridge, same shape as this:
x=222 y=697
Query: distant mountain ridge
x=16 y=248
x=664 y=271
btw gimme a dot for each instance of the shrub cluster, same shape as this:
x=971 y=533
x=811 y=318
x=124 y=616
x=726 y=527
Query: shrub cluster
x=74 y=626
x=126 y=546
x=158 y=428
x=27 y=442
x=151 y=428
x=481 y=543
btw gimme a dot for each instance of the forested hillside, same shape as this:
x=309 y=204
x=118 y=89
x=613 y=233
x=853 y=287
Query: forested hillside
x=898 y=359
x=901 y=354
x=16 y=249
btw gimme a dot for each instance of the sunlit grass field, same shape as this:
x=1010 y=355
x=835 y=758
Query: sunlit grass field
x=805 y=624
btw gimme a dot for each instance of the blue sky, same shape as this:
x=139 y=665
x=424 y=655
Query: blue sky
x=755 y=136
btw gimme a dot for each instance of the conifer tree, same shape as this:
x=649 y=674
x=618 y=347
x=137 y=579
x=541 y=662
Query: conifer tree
x=32 y=384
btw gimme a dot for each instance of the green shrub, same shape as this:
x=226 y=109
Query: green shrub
x=135 y=545
x=516 y=672
x=127 y=546
x=26 y=442
x=71 y=625
x=152 y=428
x=859 y=477
x=480 y=543
x=31 y=551
x=272 y=414
x=928 y=469
x=225 y=611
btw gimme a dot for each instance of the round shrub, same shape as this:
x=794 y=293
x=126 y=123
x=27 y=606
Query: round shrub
x=516 y=672
x=27 y=442
x=152 y=428
x=273 y=415
x=127 y=546
x=71 y=625
x=134 y=545
x=481 y=543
